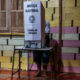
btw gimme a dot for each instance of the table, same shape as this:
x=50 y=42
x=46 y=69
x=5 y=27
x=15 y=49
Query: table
x=22 y=49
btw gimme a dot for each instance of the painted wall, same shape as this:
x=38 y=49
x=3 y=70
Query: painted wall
x=7 y=45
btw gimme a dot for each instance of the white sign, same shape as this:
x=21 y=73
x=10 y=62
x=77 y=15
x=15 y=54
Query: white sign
x=32 y=20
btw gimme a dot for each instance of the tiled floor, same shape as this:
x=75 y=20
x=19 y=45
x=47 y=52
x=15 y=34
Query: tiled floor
x=6 y=75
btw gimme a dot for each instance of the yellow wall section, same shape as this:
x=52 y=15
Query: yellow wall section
x=78 y=3
x=16 y=66
x=54 y=23
x=73 y=63
x=68 y=3
x=70 y=14
x=23 y=60
x=5 y=59
x=53 y=3
x=43 y=3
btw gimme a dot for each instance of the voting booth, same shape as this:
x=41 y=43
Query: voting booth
x=34 y=24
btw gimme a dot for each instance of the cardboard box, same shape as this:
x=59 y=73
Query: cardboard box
x=34 y=24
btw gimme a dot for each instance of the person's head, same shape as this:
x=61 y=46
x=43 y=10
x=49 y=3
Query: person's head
x=47 y=27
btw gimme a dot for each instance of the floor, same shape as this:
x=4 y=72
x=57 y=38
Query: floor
x=6 y=75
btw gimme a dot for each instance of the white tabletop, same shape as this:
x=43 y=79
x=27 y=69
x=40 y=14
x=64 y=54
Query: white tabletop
x=33 y=49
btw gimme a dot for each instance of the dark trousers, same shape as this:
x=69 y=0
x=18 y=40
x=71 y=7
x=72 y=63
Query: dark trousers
x=41 y=57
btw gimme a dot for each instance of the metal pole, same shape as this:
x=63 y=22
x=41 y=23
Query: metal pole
x=60 y=22
x=13 y=65
x=60 y=35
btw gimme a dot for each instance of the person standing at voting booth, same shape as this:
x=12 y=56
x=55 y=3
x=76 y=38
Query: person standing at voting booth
x=41 y=58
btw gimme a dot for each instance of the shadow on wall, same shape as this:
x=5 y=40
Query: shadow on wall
x=57 y=57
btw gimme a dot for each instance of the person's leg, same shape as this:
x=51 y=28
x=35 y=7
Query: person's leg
x=45 y=69
x=38 y=70
x=45 y=60
x=37 y=60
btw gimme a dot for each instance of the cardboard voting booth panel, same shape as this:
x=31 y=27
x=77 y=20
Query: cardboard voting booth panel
x=34 y=24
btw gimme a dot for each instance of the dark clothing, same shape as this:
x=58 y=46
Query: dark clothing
x=42 y=56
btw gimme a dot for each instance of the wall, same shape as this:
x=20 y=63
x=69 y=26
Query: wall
x=7 y=45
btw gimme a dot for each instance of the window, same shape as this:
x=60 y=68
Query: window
x=3 y=16
x=11 y=16
x=17 y=16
